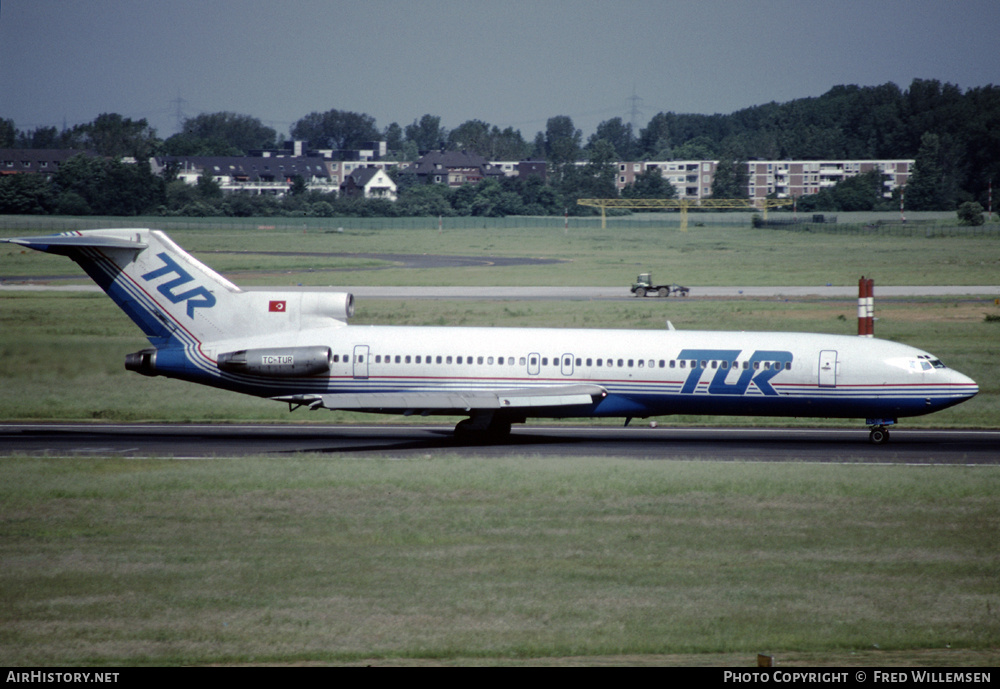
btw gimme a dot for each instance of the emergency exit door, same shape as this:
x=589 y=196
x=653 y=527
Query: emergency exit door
x=361 y=361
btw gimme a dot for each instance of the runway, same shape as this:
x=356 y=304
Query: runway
x=640 y=442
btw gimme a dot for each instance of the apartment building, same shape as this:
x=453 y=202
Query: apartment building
x=691 y=178
x=786 y=178
x=791 y=178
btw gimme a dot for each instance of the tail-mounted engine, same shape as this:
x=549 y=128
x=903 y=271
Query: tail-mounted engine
x=277 y=362
x=143 y=362
x=304 y=309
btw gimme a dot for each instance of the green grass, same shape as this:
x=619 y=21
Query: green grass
x=118 y=561
x=712 y=255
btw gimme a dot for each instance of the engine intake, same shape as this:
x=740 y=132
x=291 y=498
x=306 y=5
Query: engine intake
x=277 y=362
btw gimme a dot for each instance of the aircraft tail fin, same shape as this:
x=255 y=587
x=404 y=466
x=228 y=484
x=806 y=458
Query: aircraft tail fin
x=175 y=298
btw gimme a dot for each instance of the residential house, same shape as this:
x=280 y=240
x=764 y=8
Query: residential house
x=454 y=168
x=14 y=161
x=369 y=183
x=254 y=175
x=532 y=168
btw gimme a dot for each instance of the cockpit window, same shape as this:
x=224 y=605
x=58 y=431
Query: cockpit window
x=918 y=364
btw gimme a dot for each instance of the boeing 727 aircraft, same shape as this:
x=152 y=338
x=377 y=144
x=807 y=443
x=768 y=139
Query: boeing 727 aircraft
x=296 y=347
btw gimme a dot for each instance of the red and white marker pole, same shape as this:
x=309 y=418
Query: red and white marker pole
x=866 y=307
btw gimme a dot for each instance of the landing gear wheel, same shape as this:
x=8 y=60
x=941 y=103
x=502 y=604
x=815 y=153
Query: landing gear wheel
x=497 y=430
x=640 y=292
x=663 y=292
x=464 y=430
x=878 y=435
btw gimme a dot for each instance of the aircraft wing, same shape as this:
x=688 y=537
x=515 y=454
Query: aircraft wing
x=452 y=401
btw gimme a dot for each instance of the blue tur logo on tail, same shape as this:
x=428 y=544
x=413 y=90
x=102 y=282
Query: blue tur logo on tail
x=197 y=298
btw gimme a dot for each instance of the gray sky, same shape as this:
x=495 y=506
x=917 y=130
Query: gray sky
x=507 y=62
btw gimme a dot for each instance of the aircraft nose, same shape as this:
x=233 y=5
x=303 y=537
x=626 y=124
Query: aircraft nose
x=963 y=385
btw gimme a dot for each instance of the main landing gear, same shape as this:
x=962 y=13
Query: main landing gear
x=879 y=432
x=485 y=428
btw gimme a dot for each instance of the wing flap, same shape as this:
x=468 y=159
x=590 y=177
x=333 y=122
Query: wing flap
x=558 y=396
x=455 y=401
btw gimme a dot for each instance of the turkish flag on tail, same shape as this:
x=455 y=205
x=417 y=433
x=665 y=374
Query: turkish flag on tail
x=276 y=306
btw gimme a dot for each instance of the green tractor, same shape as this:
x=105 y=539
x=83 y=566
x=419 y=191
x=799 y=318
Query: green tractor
x=644 y=287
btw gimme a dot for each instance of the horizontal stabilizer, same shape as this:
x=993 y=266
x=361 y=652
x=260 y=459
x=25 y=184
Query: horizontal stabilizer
x=456 y=401
x=66 y=243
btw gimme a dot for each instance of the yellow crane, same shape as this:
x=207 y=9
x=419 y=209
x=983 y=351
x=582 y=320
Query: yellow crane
x=683 y=204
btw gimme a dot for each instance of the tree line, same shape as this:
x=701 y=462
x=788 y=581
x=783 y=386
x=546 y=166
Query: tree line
x=954 y=136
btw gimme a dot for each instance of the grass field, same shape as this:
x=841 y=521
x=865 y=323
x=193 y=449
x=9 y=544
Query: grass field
x=589 y=256
x=452 y=559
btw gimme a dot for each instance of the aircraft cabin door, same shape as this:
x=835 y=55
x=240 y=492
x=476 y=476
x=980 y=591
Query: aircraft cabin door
x=828 y=368
x=566 y=364
x=534 y=364
x=360 y=361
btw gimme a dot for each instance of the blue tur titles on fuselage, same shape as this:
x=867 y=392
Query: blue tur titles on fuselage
x=725 y=360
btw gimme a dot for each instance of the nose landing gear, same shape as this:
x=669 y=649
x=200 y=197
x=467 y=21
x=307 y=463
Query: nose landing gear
x=879 y=433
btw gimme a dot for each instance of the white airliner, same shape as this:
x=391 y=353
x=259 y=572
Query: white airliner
x=296 y=347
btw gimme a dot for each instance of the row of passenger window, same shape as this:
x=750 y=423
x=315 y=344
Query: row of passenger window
x=429 y=359
x=567 y=361
x=667 y=363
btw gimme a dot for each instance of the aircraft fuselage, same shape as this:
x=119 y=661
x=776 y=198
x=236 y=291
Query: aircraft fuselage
x=645 y=373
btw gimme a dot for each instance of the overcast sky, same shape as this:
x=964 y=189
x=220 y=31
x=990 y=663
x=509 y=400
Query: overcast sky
x=507 y=62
